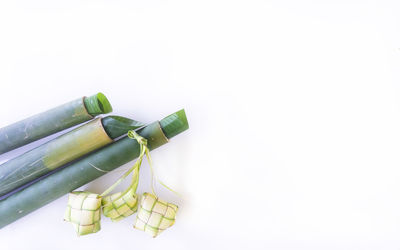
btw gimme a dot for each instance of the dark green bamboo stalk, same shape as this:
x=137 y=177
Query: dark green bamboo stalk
x=87 y=169
x=52 y=121
x=62 y=150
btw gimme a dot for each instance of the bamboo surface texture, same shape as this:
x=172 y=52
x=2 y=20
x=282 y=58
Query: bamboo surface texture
x=51 y=155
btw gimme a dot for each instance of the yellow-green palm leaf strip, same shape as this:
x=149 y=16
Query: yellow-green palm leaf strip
x=154 y=215
x=124 y=204
x=52 y=121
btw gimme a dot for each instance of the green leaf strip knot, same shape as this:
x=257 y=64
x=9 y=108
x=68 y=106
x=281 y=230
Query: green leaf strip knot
x=143 y=144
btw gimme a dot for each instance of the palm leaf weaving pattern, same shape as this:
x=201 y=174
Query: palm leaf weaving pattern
x=83 y=212
x=155 y=215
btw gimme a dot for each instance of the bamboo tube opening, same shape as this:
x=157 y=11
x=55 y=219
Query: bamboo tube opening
x=174 y=124
x=97 y=104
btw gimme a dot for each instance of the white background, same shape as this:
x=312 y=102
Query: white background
x=293 y=106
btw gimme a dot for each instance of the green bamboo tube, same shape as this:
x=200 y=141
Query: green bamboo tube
x=85 y=170
x=52 y=121
x=62 y=150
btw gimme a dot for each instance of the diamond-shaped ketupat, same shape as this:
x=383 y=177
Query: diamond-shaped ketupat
x=155 y=215
x=83 y=212
x=117 y=207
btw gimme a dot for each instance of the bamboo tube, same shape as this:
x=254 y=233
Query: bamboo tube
x=52 y=121
x=62 y=150
x=87 y=169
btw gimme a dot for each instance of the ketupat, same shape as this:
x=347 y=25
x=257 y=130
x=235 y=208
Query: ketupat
x=52 y=121
x=123 y=204
x=120 y=205
x=155 y=215
x=62 y=150
x=88 y=168
x=83 y=212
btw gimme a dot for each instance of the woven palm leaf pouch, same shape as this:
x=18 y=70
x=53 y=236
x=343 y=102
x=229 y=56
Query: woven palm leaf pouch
x=155 y=215
x=83 y=212
x=120 y=205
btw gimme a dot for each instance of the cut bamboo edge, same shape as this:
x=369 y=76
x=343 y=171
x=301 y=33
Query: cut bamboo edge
x=52 y=121
x=88 y=168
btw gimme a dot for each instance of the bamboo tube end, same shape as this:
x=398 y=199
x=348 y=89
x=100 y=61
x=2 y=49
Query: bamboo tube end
x=97 y=104
x=174 y=124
